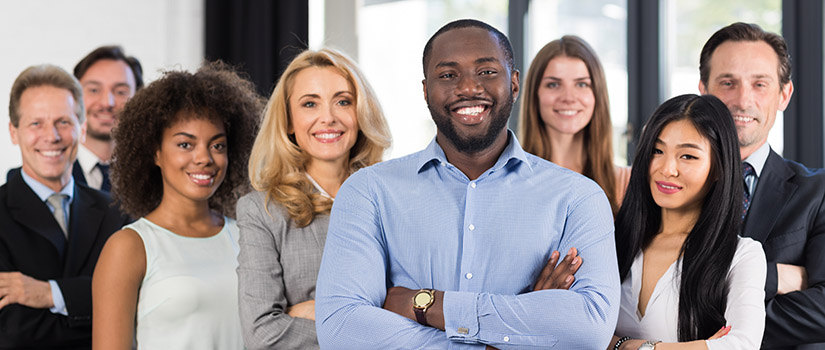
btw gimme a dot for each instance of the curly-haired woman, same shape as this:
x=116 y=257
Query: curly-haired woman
x=169 y=279
x=322 y=123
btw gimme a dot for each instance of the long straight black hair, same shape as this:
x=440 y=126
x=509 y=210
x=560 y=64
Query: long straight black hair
x=708 y=250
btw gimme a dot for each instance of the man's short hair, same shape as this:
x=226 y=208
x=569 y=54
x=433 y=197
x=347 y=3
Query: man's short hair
x=503 y=42
x=112 y=52
x=746 y=32
x=44 y=75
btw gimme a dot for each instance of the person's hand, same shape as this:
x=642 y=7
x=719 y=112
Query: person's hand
x=721 y=333
x=790 y=278
x=17 y=288
x=304 y=309
x=559 y=276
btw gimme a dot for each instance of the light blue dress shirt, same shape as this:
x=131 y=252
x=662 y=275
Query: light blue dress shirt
x=419 y=222
x=43 y=192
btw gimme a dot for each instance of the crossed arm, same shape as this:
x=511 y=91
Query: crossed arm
x=353 y=285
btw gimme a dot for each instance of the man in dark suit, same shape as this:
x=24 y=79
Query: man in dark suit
x=109 y=79
x=51 y=230
x=749 y=69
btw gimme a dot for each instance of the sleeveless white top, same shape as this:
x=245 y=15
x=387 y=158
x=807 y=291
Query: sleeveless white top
x=189 y=296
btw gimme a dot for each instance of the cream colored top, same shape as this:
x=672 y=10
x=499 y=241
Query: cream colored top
x=189 y=296
x=745 y=310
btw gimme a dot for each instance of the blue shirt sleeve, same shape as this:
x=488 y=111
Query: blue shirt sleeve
x=57 y=299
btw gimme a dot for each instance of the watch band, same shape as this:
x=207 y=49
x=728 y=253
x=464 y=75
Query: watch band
x=421 y=316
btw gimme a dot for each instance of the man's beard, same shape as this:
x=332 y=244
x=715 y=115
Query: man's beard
x=98 y=135
x=471 y=145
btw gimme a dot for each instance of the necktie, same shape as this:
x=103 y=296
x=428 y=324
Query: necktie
x=56 y=200
x=105 y=185
x=748 y=175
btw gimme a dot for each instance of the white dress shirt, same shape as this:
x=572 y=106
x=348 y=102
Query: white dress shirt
x=745 y=311
x=88 y=163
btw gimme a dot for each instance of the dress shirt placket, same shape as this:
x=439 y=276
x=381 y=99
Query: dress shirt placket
x=472 y=227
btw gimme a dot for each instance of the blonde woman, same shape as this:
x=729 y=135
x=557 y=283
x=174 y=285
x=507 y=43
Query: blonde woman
x=565 y=114
x=322 y=123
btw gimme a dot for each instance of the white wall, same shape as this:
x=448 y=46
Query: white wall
x=161 y=34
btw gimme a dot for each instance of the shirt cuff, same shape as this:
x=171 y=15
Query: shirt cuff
x=461 y=316
x=57 y=299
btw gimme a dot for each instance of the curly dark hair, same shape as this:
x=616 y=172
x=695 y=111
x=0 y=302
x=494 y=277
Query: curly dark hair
x=215 y=92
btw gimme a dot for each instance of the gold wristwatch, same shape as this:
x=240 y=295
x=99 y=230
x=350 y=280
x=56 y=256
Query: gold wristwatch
x=422 y=300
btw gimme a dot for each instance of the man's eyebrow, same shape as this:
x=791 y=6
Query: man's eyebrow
x=486 y=60
x=446 y=64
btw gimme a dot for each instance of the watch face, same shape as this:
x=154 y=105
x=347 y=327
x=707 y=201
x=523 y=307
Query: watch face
x=422 y=300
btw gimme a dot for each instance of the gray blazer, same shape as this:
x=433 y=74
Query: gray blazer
x=277 y=268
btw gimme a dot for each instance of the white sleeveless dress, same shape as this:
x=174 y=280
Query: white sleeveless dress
x=189 y=296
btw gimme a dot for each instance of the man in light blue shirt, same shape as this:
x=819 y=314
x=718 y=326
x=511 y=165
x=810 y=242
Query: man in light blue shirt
x=454 y=246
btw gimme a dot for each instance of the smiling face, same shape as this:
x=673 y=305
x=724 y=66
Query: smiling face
x=107 y=85
x=323 y=115
x=565 y=95
x=679 y=167
x=192 y=158
x=48 y=133
x=469 y=89
x=745 y=76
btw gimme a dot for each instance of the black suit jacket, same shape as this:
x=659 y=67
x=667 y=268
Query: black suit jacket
x=787 y=216
x=32 y=242
x=77 y=173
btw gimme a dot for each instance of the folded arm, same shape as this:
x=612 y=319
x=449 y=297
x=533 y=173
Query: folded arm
x=265 y=317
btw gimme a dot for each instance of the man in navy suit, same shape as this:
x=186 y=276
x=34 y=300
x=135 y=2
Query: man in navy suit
x=51 y=229
x=749 y=69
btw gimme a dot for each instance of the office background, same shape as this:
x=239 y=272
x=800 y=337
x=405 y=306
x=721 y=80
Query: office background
x=649 y=48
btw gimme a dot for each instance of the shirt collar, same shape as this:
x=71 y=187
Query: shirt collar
x=87 y=159
x=42 y=191
x=512 y=152
x=758 y=158
x=318 y=187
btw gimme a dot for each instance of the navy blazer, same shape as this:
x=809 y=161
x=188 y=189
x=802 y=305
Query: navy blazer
x=32 y=242
x=787 y=216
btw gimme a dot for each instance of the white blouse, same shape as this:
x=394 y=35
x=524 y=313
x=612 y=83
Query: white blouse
x=745 y=311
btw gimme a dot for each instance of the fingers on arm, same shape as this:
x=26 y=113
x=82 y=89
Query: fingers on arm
x=115 y=285
x=561 y=275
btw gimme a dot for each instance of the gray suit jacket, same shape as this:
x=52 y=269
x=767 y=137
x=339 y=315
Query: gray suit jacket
x=277 y=268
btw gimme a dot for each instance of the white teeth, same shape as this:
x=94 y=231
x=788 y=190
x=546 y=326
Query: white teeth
x=669 y=187
x=51 y=153
x=473 y=111
x=328 y=136
x=568 y=113
x=201 y=176
x=742 y=119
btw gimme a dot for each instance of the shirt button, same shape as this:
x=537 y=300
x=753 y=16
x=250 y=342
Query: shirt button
x=506 y=338
x=473 y=184
x=469 y=275
x=471 y=227
x=443 y=164
x=463 y=330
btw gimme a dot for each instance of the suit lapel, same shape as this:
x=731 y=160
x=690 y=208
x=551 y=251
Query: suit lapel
x=28 y=210
x=772 y=193
x=77 y=173
x=84 y=223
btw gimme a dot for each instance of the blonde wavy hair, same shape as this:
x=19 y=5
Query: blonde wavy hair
x=277 y=166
